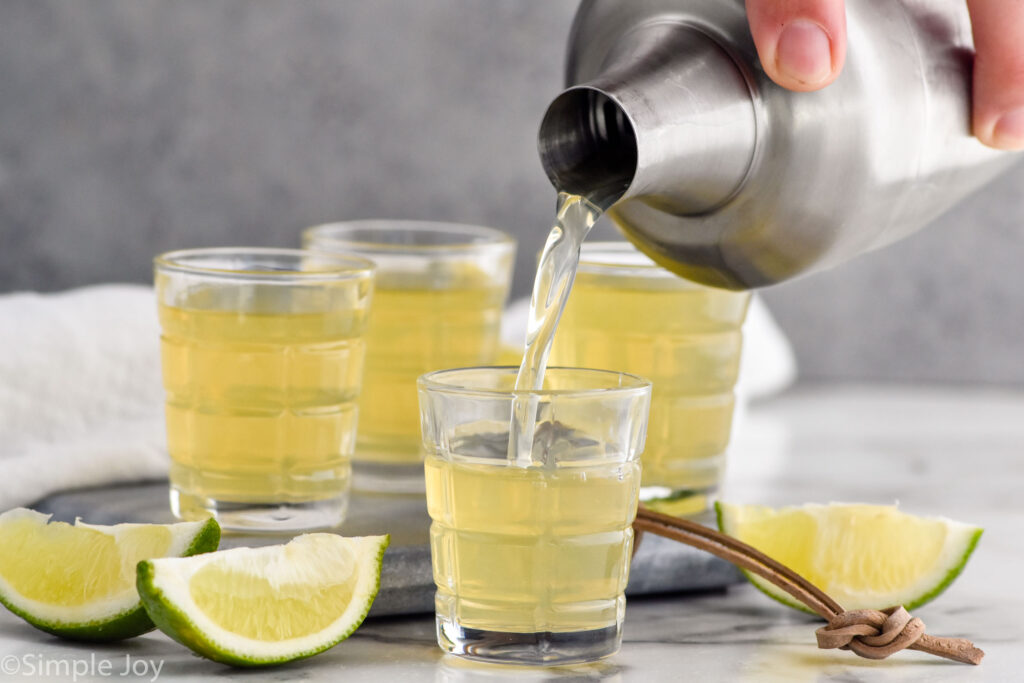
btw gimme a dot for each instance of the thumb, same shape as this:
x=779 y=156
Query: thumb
x=998 y=110
x=801 y=43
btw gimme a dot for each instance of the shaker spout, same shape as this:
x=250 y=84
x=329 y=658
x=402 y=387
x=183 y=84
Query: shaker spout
x=671 y=121
x=587 y=145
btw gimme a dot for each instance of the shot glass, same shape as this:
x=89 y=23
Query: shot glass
x=626 y=313
x=262 y=353
x=440 y=291
x=531 y=559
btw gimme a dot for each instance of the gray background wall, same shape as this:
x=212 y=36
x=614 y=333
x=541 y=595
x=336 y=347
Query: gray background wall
x=128 y=127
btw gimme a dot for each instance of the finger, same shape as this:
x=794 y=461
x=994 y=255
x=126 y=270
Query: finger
x=801 y=43
x=998 y=110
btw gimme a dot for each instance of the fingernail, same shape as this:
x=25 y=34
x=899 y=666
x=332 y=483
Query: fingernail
x=1009 y=130
x=804 y=52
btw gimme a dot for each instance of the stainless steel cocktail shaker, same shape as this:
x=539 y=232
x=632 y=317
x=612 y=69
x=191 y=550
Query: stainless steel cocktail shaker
x=726 y=178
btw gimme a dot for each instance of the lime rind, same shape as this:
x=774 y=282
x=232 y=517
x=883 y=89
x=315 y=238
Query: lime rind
x=952 y=574
x=128 y=623
x=165 y=597
x=956 y=556
x=206 y=541
x=124 y=616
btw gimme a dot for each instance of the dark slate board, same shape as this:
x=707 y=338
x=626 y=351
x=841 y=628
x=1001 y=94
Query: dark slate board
x=407 y=586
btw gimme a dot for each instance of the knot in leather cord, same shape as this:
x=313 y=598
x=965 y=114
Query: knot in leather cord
x=873 y=634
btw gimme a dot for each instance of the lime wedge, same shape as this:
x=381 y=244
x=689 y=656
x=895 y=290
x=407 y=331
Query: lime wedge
x=864 y=556
x=78 y=581
x=260 y=606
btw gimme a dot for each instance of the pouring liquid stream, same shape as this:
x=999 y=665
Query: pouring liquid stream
x=556 y=270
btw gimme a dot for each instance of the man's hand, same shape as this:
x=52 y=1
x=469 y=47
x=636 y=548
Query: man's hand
x=802 y=46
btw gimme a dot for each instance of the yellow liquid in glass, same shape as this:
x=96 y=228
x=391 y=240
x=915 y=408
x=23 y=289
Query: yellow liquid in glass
x=686 y=340
x=414 y=330
x=261 y=407
x=526 y=550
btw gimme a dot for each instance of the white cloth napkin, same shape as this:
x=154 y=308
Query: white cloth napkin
x=81 y=402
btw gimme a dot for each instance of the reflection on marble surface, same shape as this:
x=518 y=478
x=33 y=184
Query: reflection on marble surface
x=956 y=452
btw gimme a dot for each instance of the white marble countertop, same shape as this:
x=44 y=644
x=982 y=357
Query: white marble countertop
x=957 y=452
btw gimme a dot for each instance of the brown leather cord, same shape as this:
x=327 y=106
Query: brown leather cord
x=873 y=634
